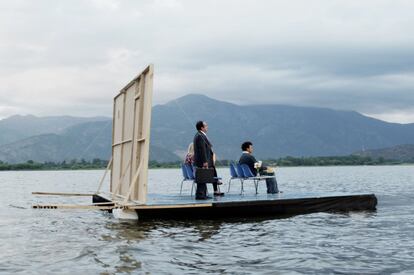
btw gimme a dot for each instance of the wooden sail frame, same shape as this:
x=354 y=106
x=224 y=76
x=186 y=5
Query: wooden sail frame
x=131 y=138
x=131 y=131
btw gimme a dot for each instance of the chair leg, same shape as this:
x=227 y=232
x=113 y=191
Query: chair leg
x=241 y=187
x=192 y=187
x=228 y=190
x=181 y=188
x=256 y=183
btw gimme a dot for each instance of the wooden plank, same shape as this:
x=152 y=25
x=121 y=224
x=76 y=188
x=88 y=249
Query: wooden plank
x=116 y=171
x=142 y=184
x=126 y=164
x=145 y=71
x=133 y=182
x=104 y=175
x=61 y=194
x=72 y=206
x=118 y=186
x=121 y=142
x=134 y=124
x=138 y=147
x=112 y=148
x=121 y=160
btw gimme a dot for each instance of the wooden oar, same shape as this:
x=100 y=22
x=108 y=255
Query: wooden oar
x=61 y=194
x=71 y=206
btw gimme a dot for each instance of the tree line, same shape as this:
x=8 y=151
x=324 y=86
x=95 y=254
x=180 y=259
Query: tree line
x=351 y=160
x=282 y=162
x=73 y=164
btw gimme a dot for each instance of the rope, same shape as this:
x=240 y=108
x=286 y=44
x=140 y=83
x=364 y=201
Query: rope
x=91 y=143
x=185 y=113
x=95 y=138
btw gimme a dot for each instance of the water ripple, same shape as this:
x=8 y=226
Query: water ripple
x=93 y=242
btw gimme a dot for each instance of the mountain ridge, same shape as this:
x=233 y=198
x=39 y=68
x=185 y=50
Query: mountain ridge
x=403 y=152
x=276 y=131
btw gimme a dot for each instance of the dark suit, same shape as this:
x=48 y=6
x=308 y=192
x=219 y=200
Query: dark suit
x=202 y=150
x=202 y=154
x=250 y=160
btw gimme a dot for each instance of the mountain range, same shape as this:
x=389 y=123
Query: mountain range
x=404 y=152
x=275 y=130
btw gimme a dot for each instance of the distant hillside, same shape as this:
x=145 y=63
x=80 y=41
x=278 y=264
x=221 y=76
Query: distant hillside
x=399 y=152
x=87 y=140
x=82 y=141
x=18 y=127
x=276 y=131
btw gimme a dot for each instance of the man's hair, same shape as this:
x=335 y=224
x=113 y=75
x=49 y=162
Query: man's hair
x=246 y=145
x=199 y=125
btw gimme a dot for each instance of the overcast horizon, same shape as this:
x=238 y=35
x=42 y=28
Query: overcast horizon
x=71 y=58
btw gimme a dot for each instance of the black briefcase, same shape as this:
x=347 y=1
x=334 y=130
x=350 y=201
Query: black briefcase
x=204 y=175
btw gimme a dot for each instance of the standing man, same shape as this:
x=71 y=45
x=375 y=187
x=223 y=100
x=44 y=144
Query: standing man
x=250 y=160
x=203 y=158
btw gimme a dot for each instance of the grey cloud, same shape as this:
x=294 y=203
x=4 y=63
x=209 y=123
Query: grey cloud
x=336 y=54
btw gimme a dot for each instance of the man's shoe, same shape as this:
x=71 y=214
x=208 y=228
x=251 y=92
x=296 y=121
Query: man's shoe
x=278 y=192
x=218 y=194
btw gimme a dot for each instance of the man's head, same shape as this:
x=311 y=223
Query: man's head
x=247 y=146
x=202 y=126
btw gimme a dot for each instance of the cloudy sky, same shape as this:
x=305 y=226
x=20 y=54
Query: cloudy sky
x=72 y=57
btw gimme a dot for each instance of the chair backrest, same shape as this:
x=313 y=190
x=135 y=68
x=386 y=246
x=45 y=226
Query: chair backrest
x=190 y=171
x=246 y=171
x=184 y=170
x=233 y=172
x=239 y=171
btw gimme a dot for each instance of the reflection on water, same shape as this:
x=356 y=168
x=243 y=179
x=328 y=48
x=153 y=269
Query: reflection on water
x=93 y=242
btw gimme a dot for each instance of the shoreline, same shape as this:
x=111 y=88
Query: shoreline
x=159 y=168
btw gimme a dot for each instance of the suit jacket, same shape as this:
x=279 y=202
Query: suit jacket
x=202 y=150
x=250 y=160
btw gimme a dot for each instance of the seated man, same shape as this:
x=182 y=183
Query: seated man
x=250 y=160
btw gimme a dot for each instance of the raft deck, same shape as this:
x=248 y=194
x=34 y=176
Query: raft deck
x=236 y=205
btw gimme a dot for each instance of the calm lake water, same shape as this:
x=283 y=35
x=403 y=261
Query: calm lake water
x=36 y=241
